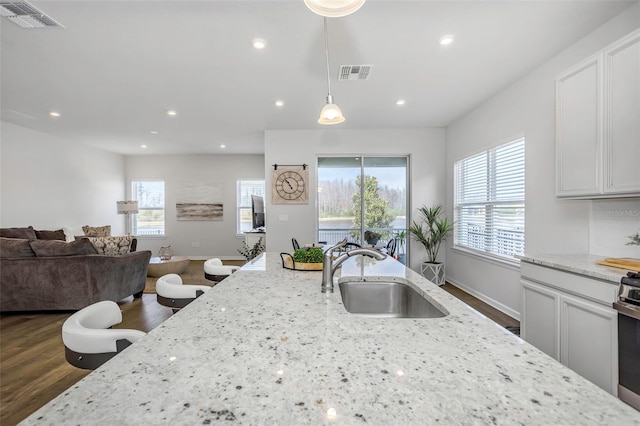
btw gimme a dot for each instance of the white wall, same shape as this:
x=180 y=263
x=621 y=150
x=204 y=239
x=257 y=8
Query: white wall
x=612 y=222
x=196 y=239
x=49 y=183
x=552 y=225
x=426 y=147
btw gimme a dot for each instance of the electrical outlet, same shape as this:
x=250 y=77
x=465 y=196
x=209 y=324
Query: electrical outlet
x=283 y=217
x=195 y=244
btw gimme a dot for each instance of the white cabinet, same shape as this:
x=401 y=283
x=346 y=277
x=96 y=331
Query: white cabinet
x=588 y=341
x=579 y=129
x=570 y=318
x=540 y=318
x=622 y=116
x=598 y=124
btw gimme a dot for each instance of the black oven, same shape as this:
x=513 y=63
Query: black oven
x=628 y=307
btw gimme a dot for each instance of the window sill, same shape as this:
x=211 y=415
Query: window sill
x=508 y=263
x=150 y=237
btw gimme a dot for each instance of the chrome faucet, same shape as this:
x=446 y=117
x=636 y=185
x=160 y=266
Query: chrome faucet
x=329 y=265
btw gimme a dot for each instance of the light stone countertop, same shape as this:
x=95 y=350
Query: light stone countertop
x=265 y=346
x=581 y=264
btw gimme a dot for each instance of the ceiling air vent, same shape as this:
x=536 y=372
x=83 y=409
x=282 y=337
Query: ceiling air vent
x=25 y=15
x=354 y=72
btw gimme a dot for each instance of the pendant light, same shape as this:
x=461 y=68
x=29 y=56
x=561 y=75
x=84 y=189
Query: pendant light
x=331 y=113
x=334 y=8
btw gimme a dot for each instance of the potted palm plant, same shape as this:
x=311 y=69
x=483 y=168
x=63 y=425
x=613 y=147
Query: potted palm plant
x=431 y=232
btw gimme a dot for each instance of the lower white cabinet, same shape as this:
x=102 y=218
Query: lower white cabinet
x=570 y=318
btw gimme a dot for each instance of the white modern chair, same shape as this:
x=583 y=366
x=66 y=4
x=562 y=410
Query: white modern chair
x=214 y=270
x=171 y=292
x=88 y=339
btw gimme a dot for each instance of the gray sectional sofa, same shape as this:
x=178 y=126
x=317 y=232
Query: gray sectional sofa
x=52 y=275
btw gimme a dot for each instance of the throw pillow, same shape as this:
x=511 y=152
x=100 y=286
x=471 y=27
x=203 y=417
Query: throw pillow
x=47 y=248
x=26 y=233
x=97 y=231
x=51 y=235
x=15 y=247
x=111 y=246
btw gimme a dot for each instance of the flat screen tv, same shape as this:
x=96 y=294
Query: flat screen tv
x=257 y=212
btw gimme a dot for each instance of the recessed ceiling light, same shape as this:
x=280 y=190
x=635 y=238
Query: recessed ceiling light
x=446 y=40
x=279 y=103
x=258 y=43
x=172 y=112
x=401 y=102
x=154 y=132
x=223 y=146
x=143 y=146
x=54 y=113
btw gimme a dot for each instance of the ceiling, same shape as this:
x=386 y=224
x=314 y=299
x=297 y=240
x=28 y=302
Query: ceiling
x=117 y=67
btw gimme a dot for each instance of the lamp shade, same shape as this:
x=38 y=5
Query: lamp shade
x=127 y=207
x=331 y=114
x=334 y=8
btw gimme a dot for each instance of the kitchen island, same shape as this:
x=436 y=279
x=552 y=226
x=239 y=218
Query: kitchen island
x=265 y=346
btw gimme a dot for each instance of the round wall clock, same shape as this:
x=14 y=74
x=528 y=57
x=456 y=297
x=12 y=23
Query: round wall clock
x=290 y=186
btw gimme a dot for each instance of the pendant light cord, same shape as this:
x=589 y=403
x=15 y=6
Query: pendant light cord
x=326 y=52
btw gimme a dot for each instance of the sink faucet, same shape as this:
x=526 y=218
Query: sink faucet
x=329 y=265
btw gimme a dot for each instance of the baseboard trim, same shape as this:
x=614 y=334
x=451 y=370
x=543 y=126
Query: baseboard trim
x=223 y=258
x=492 y=302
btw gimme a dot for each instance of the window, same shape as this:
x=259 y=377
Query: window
x=489 y=201
x=150 y=218
x=247 y=188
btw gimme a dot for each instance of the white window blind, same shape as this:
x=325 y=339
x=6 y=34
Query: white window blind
x=247 y=188
x=489 y=201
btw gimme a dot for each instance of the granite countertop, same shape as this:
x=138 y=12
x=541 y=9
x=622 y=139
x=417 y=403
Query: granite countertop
x=581 y=264
x=265 y=346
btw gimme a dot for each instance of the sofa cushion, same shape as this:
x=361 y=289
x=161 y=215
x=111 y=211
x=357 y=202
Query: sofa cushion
x=47 y=248
x=51 y=235
x=27 y=233
x=97 y=231
x=15 y=247
x=111 y=246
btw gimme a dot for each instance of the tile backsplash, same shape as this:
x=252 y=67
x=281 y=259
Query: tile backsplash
x=611 y=223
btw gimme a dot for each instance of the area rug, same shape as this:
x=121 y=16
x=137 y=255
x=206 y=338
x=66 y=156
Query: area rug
x=193 y=275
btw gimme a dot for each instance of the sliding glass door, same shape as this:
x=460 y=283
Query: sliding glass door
x=357 y=187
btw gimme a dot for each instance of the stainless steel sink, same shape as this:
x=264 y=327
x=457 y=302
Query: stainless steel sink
x=386 y=299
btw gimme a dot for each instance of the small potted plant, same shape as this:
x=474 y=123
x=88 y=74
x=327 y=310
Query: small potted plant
x=252 y=252
x=304 y=259
x=431 y=232
x=372 y=237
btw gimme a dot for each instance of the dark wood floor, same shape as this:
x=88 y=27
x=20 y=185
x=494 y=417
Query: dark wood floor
x=485 y=309
x=33 y=369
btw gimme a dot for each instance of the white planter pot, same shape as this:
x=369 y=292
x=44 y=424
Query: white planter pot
x=434 y=272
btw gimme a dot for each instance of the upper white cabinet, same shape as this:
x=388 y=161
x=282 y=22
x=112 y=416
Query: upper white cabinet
x=598 y=124
x=622 y=116
x=579 y=129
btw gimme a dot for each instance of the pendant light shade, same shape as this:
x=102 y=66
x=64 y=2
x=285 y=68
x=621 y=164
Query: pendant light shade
x=331 y=113
x=334 y=8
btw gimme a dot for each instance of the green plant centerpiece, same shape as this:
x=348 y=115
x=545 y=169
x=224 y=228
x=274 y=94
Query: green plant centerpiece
x=431 y=232
x=304 y=259
x=311 y=255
